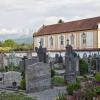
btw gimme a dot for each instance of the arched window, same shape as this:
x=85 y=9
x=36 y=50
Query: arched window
x=83 y=36
x=61 y=40
x=51 y=41
x=42 y=41
x=72 y=37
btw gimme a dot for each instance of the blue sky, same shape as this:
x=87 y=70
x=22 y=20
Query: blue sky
x=23 y=17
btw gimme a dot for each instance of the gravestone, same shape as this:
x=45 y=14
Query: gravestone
x=11 y=79
x=3 y=60
x=93 y=63
x=71 y=64
x=38 y=77
x=41 y=53
x=37 y=71
x=98 y=64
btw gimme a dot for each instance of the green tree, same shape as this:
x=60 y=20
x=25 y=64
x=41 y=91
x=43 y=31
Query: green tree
x=10 y=43
x=60 y=21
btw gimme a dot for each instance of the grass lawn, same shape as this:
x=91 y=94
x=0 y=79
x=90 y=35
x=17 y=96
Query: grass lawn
x=13 y=96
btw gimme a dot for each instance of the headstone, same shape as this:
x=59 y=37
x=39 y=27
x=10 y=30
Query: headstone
x=98 y=64
x=11 y=79
x=89 y=64
x=26 y=62
x=41 y=53
x=3 y=61
x=93 y=63
x=60 y=59
x=38 y=77
x=56 y=58
x=70 y=63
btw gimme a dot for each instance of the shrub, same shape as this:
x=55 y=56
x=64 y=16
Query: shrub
x=23 y=84
x=58 y=80
x=97 y=76
x=89 y=93
x=83 y=66
x=72 y=87
x=52 y=73
x=97 y=88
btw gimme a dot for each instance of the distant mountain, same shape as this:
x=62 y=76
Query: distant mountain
x=8 y=36
x=25 y=40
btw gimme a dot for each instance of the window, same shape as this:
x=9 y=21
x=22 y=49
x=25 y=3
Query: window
x=61 y=40
x=42 y=41
x=83 y=38
x=51 y=41
x=72 y=39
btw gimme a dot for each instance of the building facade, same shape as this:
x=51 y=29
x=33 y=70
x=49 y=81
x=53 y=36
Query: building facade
x=82 y=35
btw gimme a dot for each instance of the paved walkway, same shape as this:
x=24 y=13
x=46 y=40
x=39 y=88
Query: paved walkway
x=48 y=94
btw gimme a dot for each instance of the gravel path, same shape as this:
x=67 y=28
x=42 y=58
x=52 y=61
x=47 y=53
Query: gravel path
x=48 y=94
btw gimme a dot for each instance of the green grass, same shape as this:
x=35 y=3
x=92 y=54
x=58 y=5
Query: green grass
x=14 y=96
x=58 y=81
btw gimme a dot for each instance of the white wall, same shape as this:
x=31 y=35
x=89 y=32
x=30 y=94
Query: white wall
x=98 y=35
x=89 y=40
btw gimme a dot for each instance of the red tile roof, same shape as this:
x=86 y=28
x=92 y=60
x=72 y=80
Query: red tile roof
x=73 y=26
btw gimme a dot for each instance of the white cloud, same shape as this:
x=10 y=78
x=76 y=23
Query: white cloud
x=8 y=31
x=16 y=15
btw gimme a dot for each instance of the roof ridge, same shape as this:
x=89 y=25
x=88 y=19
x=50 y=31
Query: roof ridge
x=71 y=26
x=90 y=18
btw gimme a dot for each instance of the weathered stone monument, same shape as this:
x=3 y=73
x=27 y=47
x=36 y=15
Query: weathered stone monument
x=71 y=63
x=10 y=79
x=93 y=62
x=41 y=53
x=3 y=60
x=37 y=73
x=38 y=77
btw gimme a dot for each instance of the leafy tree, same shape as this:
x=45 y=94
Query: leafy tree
x=10 y=43
x=60 y=21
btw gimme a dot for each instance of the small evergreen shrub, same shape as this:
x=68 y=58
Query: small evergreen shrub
x=23 y=84
x=83 y=66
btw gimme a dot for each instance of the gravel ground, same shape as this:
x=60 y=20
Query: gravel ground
x=49 y=94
